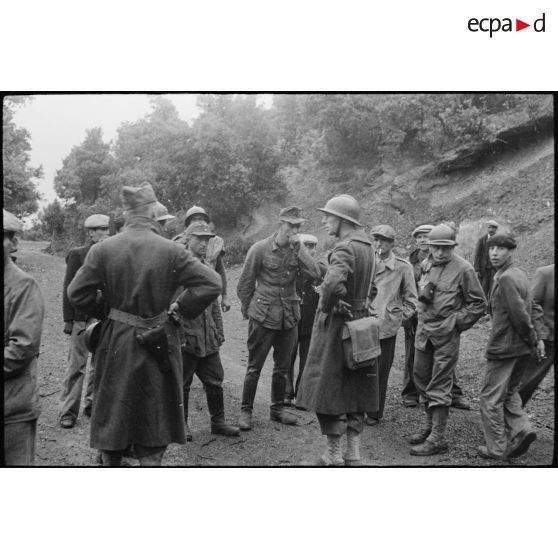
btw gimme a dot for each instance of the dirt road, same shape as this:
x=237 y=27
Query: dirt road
x=269 y=444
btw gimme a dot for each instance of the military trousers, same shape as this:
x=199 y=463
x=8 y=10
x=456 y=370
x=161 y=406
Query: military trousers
x=434 y=371
x=535 y=372
x=260 y=341
x=19 y=442
x=148 y=456
x=337 y=425
x=502 y=414
x=208 y=369
x=410 y=391
x=76 y=370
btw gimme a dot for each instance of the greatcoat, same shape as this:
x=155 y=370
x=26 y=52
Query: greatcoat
x=327 y=387
x=138 y=272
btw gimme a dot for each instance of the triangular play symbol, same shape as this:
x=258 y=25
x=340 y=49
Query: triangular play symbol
x=519 y=25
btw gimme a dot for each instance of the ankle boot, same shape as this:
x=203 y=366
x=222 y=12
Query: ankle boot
x=278 y=414
x=189 y=436
x=332 y=456
x=216 y=408
x=436 y=442
x=421 y=436
x=245 y=421
x=352 y=453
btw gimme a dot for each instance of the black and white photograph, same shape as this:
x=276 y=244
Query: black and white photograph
x=278 y=279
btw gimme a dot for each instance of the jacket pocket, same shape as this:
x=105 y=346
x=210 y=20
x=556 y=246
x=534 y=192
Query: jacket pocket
x=258 y=309
x=271 y=263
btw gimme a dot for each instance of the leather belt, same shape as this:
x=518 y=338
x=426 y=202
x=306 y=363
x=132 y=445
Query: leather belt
x=137 y=321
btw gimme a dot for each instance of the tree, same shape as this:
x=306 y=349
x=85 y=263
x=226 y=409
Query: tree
x=20 y=191
x=52 y=218
x=83 y=170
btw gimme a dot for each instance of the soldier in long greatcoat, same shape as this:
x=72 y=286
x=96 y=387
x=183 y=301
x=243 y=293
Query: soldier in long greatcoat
x=137 y=400
x=340 y=396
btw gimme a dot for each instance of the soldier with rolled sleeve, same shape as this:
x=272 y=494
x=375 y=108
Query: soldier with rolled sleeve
x=395 y=301
x=516 y=327
x=23 y=322
x=451 y=301
x=75 y=322
x=268 y=298
x=201 y=338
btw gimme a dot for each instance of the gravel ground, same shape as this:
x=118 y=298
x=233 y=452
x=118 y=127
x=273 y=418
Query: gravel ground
x=271 y=444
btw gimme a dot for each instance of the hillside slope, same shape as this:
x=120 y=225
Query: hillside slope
x=513 y=184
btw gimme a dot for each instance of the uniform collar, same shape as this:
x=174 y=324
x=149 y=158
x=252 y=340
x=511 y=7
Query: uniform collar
x=499 y=273
x=139 y=222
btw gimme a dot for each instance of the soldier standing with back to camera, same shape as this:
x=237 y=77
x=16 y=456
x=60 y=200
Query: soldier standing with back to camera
x=138 y=389
x=75 y=322
x=340 y=397
x=451 y=301
x=268 y=298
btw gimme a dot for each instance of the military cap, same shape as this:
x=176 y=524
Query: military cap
x=385 y=231
x=198 y=229
x=441 y=235
x=291 y=215
x=161 y=212
x=492 y=223
x=422 y=229
x=505 y=240
x=11 y=222
x=97 y=221
x=308 y=239
x=135 y=196
x=344 y=207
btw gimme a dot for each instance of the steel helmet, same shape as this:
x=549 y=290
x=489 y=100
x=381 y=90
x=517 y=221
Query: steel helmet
x=441 y=235
x=92 y=335
x=195 y=210
x=345 y=207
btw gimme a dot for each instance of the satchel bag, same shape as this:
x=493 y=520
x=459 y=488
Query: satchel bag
x=361 y=338
x=361 y=342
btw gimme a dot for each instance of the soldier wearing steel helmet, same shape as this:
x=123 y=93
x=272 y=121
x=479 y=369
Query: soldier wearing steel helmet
x=451 y=301
x=340 y=397
x=23 y=323
x=75 y=322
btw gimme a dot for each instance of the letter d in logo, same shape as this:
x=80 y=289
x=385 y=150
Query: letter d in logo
x=539 y=28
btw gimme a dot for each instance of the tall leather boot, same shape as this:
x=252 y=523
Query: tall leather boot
x=216 y=407
x=332 y=456
x=248 y=395
x=421 y=436
x=436 y=442
x=189 y=436
x=352 y=453
x=277 y=412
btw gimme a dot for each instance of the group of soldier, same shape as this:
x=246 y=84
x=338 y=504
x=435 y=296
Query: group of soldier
x=147 y=308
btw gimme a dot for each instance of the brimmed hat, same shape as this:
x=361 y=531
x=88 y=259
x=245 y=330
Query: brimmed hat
x=198 y=229
x=422 y=229
x=384 y=231
x=97 y=221
x=162 y=213
x=492 y=223
x=504 y=240
x=291 y=215
x=441 y=235
x=308 y=238
x=10 y=222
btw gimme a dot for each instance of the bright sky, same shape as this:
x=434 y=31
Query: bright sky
x=58 y=122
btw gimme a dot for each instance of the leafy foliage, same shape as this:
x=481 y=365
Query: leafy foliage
x=20 y=192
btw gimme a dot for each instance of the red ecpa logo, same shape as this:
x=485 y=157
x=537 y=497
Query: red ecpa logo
x=493 y=25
